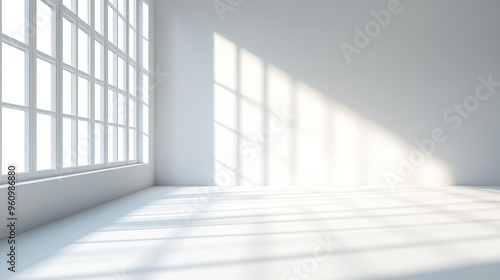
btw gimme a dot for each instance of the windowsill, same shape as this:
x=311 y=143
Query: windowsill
x=72 y=175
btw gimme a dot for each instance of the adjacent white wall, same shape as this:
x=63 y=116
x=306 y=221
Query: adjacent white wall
x=351 y=120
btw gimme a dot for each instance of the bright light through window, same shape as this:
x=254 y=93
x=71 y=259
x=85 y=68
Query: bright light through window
x=84 y=109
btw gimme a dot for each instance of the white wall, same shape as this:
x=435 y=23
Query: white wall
x=353 y=123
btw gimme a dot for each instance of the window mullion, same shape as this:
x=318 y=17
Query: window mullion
x=1 y=107
x=139 y=79
x=92 y=83
x=59 y=93
x=105 y=80
x=32 y=124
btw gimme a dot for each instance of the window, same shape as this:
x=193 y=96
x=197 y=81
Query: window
x=82 y=108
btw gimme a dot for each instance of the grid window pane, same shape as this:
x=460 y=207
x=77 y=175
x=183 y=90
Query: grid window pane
x=122 y=6
x=69 y=102
x=13 y=147
x=122 y=40
x=131 y=112
x=70 y=4
x=145 y=120
x=83 y=143
x=111 y=25
x=98 y=60
x=122 y=109
x=44 y=28
x=68 y=45
x=121 y=73
x=98 y=16
x=132 y=155
x=145 y=54
x=132 y=80
x=69 y=152
x=111 y=106
x=131 y=12
x=13 y=19
x=131 y=43
x=45 y=139
x=98 y=103
x=111 y=144
x=145 y=88
x=83 y=10
x=122 y=144
x=145 y=19
x=98 y=144
x=13 y=75
x=83 y=51
x=145 y=148
x=111 y=68
x=44 y=88
x=83 y=97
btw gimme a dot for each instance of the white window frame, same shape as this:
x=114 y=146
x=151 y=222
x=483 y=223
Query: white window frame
x=33 y=54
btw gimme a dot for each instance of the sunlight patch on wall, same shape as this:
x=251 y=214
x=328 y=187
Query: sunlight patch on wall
x=272 y=129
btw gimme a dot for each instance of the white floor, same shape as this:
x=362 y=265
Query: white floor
x=447 y=233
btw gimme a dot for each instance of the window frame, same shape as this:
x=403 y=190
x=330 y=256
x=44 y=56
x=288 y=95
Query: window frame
x=60 y=12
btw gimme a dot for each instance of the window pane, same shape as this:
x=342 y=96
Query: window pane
x=145 y=148
x=111 y=25
x=131 y=43
x=132 y=80
x=99 y=143
x=111 y=144
x=131 y=144
x=145 y=54
x=45 y=142
x=121 y=73
x=111 y=68
x=111 y=106
x=122 y=7
x=70 y=4
x=83 y=143
x=145 y=88
x=99 y=103
x=145 y=119
x=121 y=144
x=122 y=109
x=83 y=51
x=13 y=19
x=122 y=42
x=44 y=31
x=13 y=75
x=145 y=18
x=44 y=89
x=98 y=16
x=131 y=112
x=98 y=60
x=83 y=97
x=83 y=10
x=131 y=12
x=13 y=146
x=68 y=93
x=68 y=150
x=68 y=47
